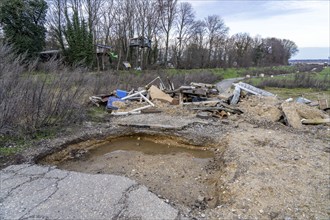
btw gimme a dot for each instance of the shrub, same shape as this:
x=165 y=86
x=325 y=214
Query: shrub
x=38 y=97
x=300 y=80
x=31 y=101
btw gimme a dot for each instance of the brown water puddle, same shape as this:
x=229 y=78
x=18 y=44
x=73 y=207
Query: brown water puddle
x=168 y=167
x=148 y=147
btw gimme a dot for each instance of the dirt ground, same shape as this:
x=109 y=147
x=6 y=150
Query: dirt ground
x=255 y=167
x=249 y=166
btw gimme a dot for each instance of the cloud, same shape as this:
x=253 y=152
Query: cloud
x=260 y=9
x=304 y=22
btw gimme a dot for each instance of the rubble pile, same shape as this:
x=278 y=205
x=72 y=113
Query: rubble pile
x=206 y=102
x=267 y=108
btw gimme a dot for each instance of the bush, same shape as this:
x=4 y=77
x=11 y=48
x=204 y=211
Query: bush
x=300 y=80
x=32 y=101
x=35 y=97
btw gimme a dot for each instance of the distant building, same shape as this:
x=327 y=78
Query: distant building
x=49 y=54
x=310 y=61
x=140 y=42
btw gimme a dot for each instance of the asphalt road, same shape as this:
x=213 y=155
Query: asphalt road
x=226 y=84
x=44 y=192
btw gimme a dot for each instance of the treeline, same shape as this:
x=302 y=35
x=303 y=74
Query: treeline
x=178 y=37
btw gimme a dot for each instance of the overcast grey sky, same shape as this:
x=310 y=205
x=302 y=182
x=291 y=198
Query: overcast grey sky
x=307 y=23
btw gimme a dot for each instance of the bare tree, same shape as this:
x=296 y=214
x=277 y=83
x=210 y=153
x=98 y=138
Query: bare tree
x=215 y=27
x=229 y=52
x=258 y=50
x=92 y=9
x=56 y=20
x=103 y=29
x=195 y=51
x=195 y=44
x=243 y=49
x=290 y=49
x=152 y=30
x=185 y=21
x=142 y=10
x=168 y=10
x=124 y=28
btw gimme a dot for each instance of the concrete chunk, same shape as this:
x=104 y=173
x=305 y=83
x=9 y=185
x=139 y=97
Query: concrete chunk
x=291 y=115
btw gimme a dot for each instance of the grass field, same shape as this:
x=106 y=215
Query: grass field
x=228 y=73
x=310 y=94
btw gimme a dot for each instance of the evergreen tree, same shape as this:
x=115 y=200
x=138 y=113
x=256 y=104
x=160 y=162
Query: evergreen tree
x=79 y=39
x=23 y=24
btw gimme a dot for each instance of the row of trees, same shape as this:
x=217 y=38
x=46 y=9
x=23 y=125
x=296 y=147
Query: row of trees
x=76 y=26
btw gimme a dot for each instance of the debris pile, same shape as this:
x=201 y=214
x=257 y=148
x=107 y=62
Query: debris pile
x=205 y=101
x=297 y=114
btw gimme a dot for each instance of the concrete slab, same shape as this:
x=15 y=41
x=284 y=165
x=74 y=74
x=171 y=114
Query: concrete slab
x=43 y=192
x=158 y=121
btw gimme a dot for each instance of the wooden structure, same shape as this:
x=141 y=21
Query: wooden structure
x=102 y=53
x=141 y=42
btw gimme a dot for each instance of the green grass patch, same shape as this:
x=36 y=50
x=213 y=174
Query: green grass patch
x=11 y=145
x=227 y=73
x=10 y=150
x=307 y=93
x=324 y=74
x=97 y=114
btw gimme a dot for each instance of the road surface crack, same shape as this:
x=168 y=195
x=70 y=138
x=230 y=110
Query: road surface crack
x=123 y=201
x=47 y=198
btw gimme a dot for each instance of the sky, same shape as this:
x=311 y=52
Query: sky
x=307 y=23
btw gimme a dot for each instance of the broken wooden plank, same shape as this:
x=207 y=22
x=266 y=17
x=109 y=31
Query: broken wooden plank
x=157 y=94
x=150 y=111
x=205 y=85
x=202 y=103
x=316 y=121
x=219 y=108
x=155 y=126
x=204 y=115
x=195 y=92
x=125 y=113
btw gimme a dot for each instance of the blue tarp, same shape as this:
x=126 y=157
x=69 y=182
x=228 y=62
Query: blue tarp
x=110 y=102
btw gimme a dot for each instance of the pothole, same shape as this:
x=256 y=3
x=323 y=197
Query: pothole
x=182 y=173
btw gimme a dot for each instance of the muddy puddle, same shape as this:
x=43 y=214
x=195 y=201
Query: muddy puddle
x=146 y=146
x=182 y=173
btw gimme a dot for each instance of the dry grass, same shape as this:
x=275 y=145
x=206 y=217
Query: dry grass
x=39 y=96
x=30 y=102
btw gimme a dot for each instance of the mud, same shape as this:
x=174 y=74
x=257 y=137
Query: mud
x=175 y=171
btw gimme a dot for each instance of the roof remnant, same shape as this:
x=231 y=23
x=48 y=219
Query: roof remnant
x=249 y=88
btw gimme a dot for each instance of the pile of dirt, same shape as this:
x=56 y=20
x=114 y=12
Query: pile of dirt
x=263 y=108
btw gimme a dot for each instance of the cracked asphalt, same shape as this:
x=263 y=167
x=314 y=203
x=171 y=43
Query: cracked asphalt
x=44 y=192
